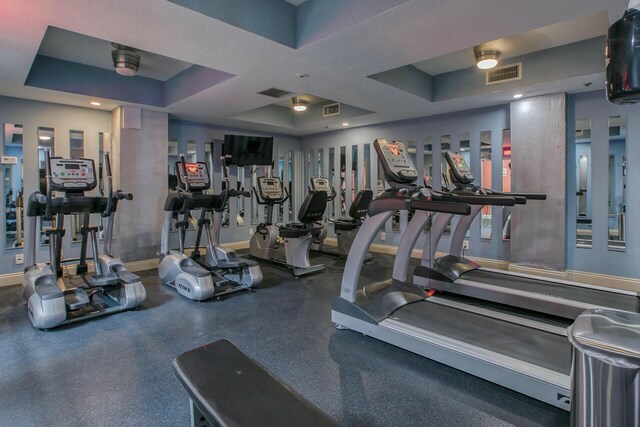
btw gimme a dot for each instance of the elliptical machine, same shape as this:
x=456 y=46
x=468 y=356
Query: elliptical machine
x=220 y=271
x=52 y=299
x=345 y=228
x=297 y=236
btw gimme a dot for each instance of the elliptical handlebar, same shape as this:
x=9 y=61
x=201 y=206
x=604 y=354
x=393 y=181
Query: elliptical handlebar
x=47 y=168
x=184 y=167
x=119 y=195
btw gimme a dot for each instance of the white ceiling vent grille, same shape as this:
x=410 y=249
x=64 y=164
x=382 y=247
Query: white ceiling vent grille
x=508 y=73
x=330 y=110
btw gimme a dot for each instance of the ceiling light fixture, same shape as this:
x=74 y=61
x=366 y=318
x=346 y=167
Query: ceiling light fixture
x=486 y=59
x=44 y=138
x=518 y=96
x=299 y=104
x=96 y=103
x=345 y=123
x=126 y=60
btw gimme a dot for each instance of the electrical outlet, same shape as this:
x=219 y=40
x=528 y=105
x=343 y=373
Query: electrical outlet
x=465 y=245
x=19 y=259
x=250 y=231
x=383 y=236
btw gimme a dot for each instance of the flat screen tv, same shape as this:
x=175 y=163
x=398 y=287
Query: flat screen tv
x=248 y=150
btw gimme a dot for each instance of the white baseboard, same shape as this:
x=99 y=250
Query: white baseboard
x=11 y=279
x=604 y=280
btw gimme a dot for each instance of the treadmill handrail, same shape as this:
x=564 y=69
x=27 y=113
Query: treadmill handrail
x=474 y=199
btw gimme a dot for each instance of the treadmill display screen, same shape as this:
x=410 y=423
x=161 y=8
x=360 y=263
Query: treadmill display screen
x=72 y=166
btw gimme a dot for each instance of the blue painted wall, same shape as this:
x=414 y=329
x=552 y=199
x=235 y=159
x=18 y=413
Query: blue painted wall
x=600 y=259
x=494 y=119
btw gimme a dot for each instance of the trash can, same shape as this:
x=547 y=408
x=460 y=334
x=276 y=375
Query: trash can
x=605 y=376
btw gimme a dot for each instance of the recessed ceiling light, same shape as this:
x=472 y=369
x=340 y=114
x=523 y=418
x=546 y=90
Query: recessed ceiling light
x=345 y=123
x=44 y=138
x=518 y=95
x=96 y=103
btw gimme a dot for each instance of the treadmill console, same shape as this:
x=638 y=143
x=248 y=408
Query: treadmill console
x=196 y=175
x=72 y=175
x=321 y=184
x=460 y=172
x=270 y=188
x=395 y=160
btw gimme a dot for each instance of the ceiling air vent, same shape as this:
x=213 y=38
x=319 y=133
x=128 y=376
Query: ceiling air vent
x=504 y=74
x=330 y=110
x=275 y=93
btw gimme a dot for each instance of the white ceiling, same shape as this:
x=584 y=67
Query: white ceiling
x=338 y=65
x=564 y=33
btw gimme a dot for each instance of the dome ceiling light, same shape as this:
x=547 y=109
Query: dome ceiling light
x=485 y=58
x=299 y=104
x=126 y=60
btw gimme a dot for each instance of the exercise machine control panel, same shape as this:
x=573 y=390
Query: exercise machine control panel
x=321 y=184
x=396 y=163
x=270 y=188
x=460 y=172
x=194 y=174
x=72 y=175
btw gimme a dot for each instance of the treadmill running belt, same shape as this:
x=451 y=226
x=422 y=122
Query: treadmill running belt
x=537 y=347
x=543 y=287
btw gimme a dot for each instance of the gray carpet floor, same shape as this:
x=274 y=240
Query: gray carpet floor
x=116 y=370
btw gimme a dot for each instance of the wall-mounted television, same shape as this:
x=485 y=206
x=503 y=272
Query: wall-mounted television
x=248 y=150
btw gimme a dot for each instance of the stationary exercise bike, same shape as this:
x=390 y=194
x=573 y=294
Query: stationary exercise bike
x=53 y=297
x=218 y=271
x=345 y=228
x=297 y=236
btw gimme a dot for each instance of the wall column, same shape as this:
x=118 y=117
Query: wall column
x=538 y=140
x=139 y=165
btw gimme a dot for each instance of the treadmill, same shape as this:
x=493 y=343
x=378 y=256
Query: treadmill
x=510 y=347
x=455 y=274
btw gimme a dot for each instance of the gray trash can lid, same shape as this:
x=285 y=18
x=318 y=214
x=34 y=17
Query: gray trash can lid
x=609 y=335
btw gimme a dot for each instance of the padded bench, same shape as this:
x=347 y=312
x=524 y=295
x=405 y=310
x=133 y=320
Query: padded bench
x=227 y=388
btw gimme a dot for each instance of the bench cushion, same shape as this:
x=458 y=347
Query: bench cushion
x=233 y=390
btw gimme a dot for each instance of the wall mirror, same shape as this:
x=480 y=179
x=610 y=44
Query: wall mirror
x=465 y=152
x=46 y=141
x=332 y=180
x=617 y=182
x=427 y=153
x=240 y=200
x=76 y=144
x=320 y=169
x=485 y=182
x=583 y=184
x=308 y=171
x=232 y=171
x=292 y=216
x=173 y=157
x=506 y=182
x=76 y=151
x=354 y=172
x=427 y=171
x=101 y=142
x=343 y=182
x=191 y=155
x=445 y=145
x=367 y=166
x=13 y=190
x=281 y=176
